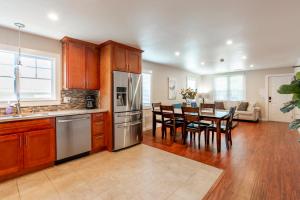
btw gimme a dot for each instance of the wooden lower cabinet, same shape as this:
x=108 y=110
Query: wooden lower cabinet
x=98 y=130
x=39 y=147
x=10 y=154
x=98 y=143
x=26 y=146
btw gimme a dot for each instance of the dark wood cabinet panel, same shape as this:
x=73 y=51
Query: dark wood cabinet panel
x=98 y=143
x=134 y=61
x=119 y=59
x=80 y=64
x=92 y=68
x=76 y=72
x=98 y=132
x=26 y=146
x=39 y=148
x=98 y=128
x=10 y=154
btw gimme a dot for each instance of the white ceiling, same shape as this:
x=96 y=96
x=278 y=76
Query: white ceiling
x=266 y=31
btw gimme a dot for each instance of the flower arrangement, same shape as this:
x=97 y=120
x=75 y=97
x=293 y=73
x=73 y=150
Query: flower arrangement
x=188 y=93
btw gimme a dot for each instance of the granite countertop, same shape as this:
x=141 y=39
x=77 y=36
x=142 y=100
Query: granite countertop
x=38 y=115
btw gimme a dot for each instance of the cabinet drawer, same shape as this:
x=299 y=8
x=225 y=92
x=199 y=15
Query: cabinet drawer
x=98 y=117
x=26 y=125
x=98 y=127
x=98 y=142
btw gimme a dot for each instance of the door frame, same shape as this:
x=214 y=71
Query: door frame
x=268 y=76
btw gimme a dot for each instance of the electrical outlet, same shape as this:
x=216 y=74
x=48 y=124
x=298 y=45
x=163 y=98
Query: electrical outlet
x=67 y=99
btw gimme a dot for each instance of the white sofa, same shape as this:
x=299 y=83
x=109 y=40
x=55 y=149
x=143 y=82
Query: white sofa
x=252 y=113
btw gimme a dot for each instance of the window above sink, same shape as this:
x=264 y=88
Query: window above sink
x=39 y=77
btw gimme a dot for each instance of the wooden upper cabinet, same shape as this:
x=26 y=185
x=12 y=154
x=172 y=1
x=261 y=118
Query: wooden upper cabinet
x=119 y=59
x=134 y=61
x=76 y=66
x=81 y=64
x=11 y=154
x=124 y=58
x=39 y=147
x=92 y=68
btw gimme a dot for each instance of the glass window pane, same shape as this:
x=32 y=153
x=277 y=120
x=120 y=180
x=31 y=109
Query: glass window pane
x=44 y=63
x=220 y=88
x=7 y=89
x=146 y=88
x=28 y=72
x=191 y=83
x=7 y=70
x=236 y=88
x=28 y=61
x=7 y=58
x=44 y=73
x=35 y=88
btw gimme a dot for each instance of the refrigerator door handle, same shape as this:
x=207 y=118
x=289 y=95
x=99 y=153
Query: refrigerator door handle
x=129 y=91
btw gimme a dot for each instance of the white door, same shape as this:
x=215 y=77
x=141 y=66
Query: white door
x=277 y=100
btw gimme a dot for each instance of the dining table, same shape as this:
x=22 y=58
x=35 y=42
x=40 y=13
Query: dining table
x=215 y=117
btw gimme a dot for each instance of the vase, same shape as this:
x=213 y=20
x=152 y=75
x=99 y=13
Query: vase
x=189 y=102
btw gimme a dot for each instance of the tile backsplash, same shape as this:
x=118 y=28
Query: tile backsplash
x=77 y=102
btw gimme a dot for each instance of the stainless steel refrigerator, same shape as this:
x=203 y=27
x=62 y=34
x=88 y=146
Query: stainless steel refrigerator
x=127 y=108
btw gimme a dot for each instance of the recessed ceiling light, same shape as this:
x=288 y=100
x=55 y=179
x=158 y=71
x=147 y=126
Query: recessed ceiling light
x=53 y=16
x=251 y=66
x=244 y=57
x=177 y=53
x=229 y=42
x=202 y=63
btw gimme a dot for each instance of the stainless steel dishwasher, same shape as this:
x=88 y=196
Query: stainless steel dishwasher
x=73 y=136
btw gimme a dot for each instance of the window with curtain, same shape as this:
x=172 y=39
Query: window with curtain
x=146 y=89
x=229 y=88
x=191 y=83
x=37 y=77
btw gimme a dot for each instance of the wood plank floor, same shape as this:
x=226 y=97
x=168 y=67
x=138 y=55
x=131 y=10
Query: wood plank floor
x=264 y=162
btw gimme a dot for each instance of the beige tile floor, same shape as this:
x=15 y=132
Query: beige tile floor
x=138 y=173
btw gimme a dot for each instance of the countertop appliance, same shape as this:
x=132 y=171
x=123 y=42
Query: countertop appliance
x=127 y=107
x=73 y=136
x=90 y=101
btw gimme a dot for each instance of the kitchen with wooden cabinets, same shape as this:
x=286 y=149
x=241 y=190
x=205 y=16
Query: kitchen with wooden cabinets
x=28 y=143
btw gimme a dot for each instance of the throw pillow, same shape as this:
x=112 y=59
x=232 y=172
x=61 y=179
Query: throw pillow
x=220 y=105
x=243 y=106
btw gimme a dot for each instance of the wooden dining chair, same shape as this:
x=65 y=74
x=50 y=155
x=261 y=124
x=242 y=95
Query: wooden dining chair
x=225 y=129
x=157 y=118
x=193 y=125
x=170 y=121
x=208 y=107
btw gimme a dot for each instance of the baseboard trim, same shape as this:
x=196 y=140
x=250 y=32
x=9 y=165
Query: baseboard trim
x=245 y=120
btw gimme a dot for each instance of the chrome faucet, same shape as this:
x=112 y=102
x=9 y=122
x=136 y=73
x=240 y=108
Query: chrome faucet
x=18 y=107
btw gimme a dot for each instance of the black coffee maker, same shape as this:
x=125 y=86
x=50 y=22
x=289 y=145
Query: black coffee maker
x=90 y=101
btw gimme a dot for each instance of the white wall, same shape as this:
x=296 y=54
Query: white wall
x=255 y=84
x=29 y=41
x=160 y=75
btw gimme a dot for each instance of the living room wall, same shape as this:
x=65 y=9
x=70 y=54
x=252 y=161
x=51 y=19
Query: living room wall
x=255 y=85
x=159 y=86
x=160 y=74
